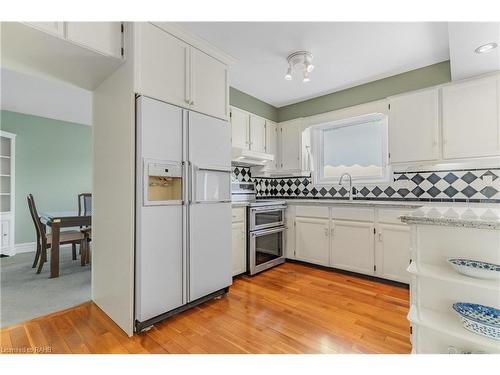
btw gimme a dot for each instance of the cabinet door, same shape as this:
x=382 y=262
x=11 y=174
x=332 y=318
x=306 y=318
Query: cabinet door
x=161 y=65
x=209 y=86
x=471 y=119
x=239 y=128
x=239 y=248
x=54 y=28
x=414 y=127
x=257 y=134
x=272 y=142
x=5 y=233
x=290 y=132
x=393 y=252
x=352 y=246
x=312 y=240
x=104 y=37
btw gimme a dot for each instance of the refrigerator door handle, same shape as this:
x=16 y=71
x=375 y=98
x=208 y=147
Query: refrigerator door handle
x=212 y=169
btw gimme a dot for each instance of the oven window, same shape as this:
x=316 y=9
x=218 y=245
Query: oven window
x=269 y=217
x=268 y=247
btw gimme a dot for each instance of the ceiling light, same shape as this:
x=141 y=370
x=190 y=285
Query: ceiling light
x=486 y=47
x=300 y=60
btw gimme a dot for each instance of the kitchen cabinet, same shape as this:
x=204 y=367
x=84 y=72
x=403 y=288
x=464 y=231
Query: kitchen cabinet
x=240 y=122
x=392 y=252
x=239 y=241
x=257 y=134
x=171 y=70
x=209 y=85
x=103 y=37
x=312 y=237
x=162 y=65
x=414 y=126
x=54 y=28
x=290 y=145
x=352 y=246
x=471 y=125
x=272 y=143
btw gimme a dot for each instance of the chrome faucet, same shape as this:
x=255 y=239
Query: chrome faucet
x=350 y=184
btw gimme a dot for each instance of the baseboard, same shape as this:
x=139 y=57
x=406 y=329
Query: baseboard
x=26 y=247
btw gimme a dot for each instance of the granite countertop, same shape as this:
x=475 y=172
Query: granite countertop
x=453 y=216
x=356 y=202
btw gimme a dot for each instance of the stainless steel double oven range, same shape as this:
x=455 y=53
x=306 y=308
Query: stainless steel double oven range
x=265 y=228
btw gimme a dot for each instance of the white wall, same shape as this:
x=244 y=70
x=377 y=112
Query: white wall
x=45 y=98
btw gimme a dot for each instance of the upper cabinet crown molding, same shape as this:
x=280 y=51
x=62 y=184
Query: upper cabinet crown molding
x=196 y=42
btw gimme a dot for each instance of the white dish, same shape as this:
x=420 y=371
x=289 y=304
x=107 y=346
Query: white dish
x=475 y=268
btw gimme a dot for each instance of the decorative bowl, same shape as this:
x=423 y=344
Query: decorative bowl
x=482 y=320
x=476 y=268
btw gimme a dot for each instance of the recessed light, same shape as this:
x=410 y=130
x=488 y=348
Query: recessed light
x=486 y=47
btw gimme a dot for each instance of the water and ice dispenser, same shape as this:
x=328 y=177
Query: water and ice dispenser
x=163 y=183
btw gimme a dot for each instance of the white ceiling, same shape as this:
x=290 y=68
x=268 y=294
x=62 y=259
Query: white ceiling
x=346 y=54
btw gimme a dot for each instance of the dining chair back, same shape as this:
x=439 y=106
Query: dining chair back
x=84 y=204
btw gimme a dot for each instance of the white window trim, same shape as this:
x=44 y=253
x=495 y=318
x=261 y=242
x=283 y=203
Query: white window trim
x=317 y=154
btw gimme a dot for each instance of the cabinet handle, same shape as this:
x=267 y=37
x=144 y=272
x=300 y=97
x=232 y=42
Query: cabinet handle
x=380 y=236
x=191 y=102
x=326 y=232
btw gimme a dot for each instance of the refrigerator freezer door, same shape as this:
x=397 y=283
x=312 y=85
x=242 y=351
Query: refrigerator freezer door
x=210 y=248
x=159 y=261
x=159 y=130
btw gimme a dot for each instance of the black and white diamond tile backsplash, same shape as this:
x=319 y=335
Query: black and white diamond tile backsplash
x=452 y=185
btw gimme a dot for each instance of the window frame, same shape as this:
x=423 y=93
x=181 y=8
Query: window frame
x=317 y=149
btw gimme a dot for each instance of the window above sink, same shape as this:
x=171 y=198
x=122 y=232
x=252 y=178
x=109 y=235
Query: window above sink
x=356 y=145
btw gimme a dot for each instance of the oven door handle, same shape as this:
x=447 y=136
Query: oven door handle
x=267 y=231
x=267 y=209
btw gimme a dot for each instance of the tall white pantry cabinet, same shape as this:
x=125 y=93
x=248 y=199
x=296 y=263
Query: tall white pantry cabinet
x=7 y=191
x=166 y=64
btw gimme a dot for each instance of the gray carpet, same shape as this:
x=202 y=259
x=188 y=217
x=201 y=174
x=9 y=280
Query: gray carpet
x=24 y=295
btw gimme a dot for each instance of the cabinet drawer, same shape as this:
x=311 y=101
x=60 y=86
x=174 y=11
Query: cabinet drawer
x=391 y=216
x=312 y=211
x=238 y=214
x=353 y=213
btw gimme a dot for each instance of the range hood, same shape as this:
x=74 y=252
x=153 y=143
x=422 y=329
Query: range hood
x=248 y=158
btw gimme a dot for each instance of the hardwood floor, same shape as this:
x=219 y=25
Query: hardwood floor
x=292 y=308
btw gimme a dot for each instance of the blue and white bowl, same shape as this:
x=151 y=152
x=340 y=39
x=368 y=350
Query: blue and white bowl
x=482 y=320
x=476 y=268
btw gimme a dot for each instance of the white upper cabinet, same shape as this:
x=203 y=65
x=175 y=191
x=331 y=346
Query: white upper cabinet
x=272 y=142
x=209 y=85
x=103 y=37
x=171 y=70
x=312 y=238
x=290 y=144
x=54 y=28
x=471 y=119
x=414 y=127
x=162 y=65
x=239 y=128
x=257 y=134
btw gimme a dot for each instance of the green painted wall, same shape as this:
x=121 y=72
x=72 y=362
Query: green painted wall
x=53 y=162
x=251 y=104
x=413 y=80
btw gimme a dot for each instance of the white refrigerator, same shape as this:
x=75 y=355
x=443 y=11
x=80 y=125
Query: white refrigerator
x=183 y=210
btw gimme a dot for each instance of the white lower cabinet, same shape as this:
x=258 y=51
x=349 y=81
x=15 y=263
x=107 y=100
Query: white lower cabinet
x=239 y=241
x=352 y=246
x=370 y=241
x=312 y=240
x=392 y=254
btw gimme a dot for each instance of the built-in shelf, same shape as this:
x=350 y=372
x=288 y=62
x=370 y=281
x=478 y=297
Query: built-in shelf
x=4 y=157
x=4 y=193
x=449 y=324
x=4 y=175
x=450 y=275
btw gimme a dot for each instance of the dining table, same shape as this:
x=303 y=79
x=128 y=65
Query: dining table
x=56 y=221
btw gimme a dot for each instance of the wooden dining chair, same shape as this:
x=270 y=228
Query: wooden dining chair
x=85 y=208
x=43 y=242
